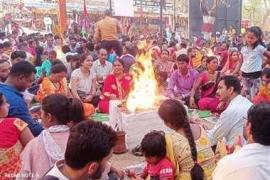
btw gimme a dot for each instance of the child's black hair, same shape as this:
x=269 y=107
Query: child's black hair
x=154 y=144
x=258 y=33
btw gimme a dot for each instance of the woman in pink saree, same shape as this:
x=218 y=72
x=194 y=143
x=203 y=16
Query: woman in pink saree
x=232 y=66
x=116 y=86
x=207 y=86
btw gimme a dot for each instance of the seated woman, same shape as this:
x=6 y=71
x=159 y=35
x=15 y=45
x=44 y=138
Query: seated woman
x=128 y=57
x=49 y=58
x=163 y=70
x=83 y=81
x=42 y=152
x=264 y=91
x=163 y=64
x=116 y=86
x=202 y=67
x=14 y=135
x=232 y=66
x=73 y=62
x=55 y=83
x=207 y=84
x=188 y=146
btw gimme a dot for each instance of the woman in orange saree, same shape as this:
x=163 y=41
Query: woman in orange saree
x=56 y=83
x=116 y=86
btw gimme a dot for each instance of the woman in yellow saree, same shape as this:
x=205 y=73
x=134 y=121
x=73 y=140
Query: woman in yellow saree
x=188 y=146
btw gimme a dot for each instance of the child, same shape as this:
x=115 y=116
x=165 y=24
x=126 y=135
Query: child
x=253 y=53
x=158 y=166
x=264 y=91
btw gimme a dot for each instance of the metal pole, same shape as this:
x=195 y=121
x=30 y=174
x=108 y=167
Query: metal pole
x=189 y=30
x=241 y=6
x=226 y=17
x=174 y=15
x=141 y=13
x=161 y=18
x=110 y=2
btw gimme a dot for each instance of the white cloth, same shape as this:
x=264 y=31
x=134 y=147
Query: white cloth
x=102 y=70
x=85 y=82
x=55 y=172
x=252 y=59
x=51 y=147
x=252 y=162
x=231 y=122
x=181 y=51
x=116 y=121
x=47 y=20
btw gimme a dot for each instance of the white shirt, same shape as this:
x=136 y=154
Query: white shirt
x=56 y=172
x=231 y=122
x=47 y=21
x=181 y=51
x=251 y=162
x=102 y=70
x=252 y=59
x=84 y=82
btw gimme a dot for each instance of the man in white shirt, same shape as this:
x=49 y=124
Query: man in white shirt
x=89 y=148
x=48 y=24
x=231 y=121
x=251 y=162
x=102 y=67
x=49 y=43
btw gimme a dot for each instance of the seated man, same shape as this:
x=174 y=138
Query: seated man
x=89 y=148
x=251 y=161
x=17 y=56
x=231 y=121
x=21 y=76
x=182 y=79
x=4 y=69
x=102 y=67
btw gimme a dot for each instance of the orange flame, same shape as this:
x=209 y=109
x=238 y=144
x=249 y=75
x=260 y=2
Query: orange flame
x=144 y=94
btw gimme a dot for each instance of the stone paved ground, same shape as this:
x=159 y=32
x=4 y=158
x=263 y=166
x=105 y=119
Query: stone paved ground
x=125 y=160
x=136 y=127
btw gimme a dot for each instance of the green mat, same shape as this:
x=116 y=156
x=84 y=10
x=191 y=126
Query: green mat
x=100 y=117
x=201 y=114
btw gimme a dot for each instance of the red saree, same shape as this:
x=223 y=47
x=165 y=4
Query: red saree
x=208 y=100
x=10 y=147
x=119 y=88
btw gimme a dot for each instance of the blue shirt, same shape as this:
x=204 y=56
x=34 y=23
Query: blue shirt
x=18 y=108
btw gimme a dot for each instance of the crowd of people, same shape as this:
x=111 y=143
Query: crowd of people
x=51 y=85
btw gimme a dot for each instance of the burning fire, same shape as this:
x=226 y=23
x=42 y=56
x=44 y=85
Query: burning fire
x=144 y=94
